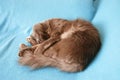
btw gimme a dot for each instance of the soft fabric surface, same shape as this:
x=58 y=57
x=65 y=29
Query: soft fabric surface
x=17 y=18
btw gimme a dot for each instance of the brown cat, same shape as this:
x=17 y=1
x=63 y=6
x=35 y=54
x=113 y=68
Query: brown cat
x=67 y=45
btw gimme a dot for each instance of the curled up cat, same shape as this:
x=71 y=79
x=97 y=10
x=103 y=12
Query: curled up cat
x=69 y=45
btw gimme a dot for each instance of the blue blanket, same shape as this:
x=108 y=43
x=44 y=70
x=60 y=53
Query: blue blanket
x=17 y=18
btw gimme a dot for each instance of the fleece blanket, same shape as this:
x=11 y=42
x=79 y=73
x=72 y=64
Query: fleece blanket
x=17 y=18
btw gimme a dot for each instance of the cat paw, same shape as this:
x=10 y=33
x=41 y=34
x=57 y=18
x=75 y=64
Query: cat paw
x=22 y=46
x=31 y=41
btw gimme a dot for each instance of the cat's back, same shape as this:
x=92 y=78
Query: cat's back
x=80 y=43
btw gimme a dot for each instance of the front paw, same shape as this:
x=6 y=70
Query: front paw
x=22 y=46
x=23 y=53
x=31 y=41
x=26 y=51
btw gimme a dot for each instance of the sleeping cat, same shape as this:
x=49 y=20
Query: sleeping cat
x=64 y=44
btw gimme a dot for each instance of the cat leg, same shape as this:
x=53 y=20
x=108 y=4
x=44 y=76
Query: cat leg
x=45 y=45
x=21 y=48
x=24 y=48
